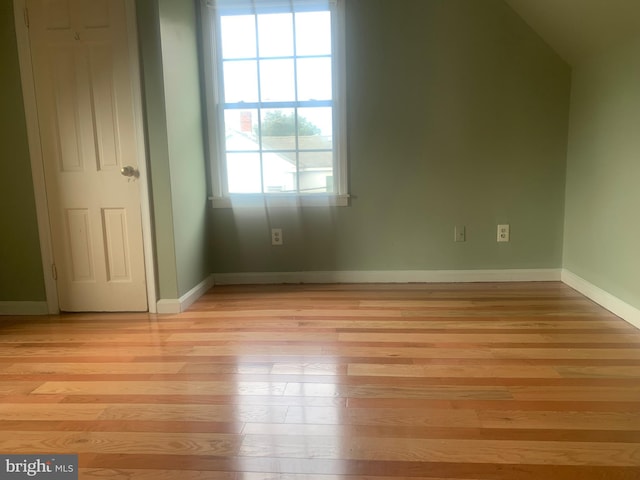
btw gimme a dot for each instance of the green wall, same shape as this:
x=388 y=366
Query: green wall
x=457 y=115
x=21 y=277
x=602 y=230
x=179 y=33
x=169 y=53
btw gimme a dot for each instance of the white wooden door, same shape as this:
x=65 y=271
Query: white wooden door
x=80 y=59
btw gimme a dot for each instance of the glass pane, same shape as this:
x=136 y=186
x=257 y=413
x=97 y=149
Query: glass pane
x=278 y=129
x=243 y=172
x=313 y=33
x=277 y=81
x=275 y=35
x=314 y=78
x=317 y=122
x=240 y=81
x=279 y=172
x=241 y=129
x=316 y=172
x=238 y=36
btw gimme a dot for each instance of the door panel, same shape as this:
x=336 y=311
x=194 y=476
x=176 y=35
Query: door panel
x=80 y=245
x=80 y=59
x=117 y=242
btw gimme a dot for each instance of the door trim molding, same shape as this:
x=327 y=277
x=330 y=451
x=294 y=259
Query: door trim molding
x=145 y=194
x=35 y=154
x=37 y=166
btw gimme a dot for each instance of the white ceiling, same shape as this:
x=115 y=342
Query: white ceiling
x=577 y=29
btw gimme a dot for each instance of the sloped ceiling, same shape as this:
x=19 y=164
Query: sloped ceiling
x=578 y=29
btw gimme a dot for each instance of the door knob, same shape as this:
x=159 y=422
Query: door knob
x=130 y=171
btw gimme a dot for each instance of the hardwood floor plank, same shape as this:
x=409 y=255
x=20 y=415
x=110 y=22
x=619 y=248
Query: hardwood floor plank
x=140 y=474
x=18 y=387
x=93 y=368
x=601 y=394
x=382 y=416
x=48 y=411
x=434 y=432
x=160 y=388
x=164 y=443
x=195 y=413
x=599 y=371
x=445 y=371
x=361 y=469
x=158 y=426
x=443 y=450
x=561 y=420
x=568 y=353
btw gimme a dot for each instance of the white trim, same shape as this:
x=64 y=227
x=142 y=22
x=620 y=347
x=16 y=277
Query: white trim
x=277 y=200
x=23 y=308
x=37 y=165
x=391 y=276
x=627 y=312
x=141 y=153
x=339 y=57
x=250 y=6
x=214 y=119
x=179 y=305
x=35 y=156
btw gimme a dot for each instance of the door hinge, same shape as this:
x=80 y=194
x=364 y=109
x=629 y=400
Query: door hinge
x=26 y=16
x=54 y=271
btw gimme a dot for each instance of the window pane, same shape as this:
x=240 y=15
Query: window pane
x=316 y=121
x=316 y=172
x=238 y=36
x=278 y=129
x=243 y=172
x=314 y=79
x=241 y=127
x=276 y=81
x=279 y=172
x=313 y=33
x=275 y=35
x=240 y=81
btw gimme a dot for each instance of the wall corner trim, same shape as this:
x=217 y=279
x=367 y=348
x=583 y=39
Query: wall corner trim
x=627 y=312
x=24 y=308
x=179 y=305
x=388 y=276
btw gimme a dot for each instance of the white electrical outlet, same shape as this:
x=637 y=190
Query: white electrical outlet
x=459 y=233
x=276 y=236
x=503 y=233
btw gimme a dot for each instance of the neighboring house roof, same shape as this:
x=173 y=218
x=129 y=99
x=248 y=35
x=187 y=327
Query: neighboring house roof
x=285 y=147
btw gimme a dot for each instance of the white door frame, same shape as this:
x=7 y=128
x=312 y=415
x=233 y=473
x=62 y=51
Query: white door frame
x=37 y=166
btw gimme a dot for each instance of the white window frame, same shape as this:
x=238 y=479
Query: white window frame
x=215 y=118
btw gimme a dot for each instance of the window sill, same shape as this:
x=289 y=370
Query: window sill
x=247 y=200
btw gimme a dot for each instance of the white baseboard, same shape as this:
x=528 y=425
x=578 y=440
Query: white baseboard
x=24 y=308
x=612 y=303
x=179 y=305
x=394 y=276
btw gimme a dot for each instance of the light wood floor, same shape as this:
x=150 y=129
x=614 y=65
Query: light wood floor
x=474 y=382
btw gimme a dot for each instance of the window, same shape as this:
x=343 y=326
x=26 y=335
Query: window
x=274 y=76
